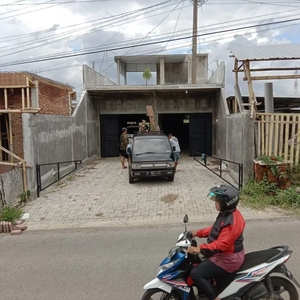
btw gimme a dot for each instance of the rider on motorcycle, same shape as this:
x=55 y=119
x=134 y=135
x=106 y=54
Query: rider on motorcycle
x=224 y=248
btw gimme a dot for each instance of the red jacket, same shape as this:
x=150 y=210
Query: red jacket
x=226 y=234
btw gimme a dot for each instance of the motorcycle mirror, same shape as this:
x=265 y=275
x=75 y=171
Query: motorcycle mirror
x=186 y=219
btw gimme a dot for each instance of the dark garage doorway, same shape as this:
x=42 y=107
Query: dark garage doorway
x=111 y=128
x=194 y=130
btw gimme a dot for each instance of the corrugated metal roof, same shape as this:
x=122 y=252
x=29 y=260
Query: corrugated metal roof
x=267 y=52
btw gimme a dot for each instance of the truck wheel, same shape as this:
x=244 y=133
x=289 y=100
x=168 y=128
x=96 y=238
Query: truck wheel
x=131 y=179
x=171 y=178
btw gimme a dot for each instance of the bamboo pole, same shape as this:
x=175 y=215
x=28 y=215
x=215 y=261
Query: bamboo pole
x=28 y=98
x=286 y=142
x=11 y=146
x=271 y=135
x=297 y=150
x=281 y=143
x=277 y=117
x=24 y=178
x=292 y=138
x=5 y=99
x=23 y=99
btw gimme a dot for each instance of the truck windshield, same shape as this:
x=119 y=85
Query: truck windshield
x=151 y=145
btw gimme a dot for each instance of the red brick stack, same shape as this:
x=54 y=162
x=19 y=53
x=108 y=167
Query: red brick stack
x=261 y=170
x=8 y=227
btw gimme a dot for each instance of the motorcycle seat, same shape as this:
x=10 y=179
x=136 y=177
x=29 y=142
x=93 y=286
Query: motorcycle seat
x=253 y=259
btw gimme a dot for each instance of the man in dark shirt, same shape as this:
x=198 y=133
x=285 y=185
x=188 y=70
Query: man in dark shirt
x=123 y=145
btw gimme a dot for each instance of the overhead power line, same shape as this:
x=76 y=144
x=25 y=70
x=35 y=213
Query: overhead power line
x=103 y=24
x=61 y=2
x=203 y=27
x=181 y=45
x=41 y=59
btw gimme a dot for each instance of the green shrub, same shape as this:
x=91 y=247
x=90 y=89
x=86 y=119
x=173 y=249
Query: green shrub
x=289 y=198
x=10 y=214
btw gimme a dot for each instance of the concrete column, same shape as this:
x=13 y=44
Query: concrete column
x=269 y=100
x=125 y=76
x=118 y=71
x=162 y=71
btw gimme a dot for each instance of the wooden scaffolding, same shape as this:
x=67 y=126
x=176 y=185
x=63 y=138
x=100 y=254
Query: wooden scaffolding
x=10 y=83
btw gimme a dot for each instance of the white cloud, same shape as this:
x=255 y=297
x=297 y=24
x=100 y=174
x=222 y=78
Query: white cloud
x=215 y=15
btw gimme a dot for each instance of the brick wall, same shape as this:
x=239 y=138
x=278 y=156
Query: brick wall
x=53 y=100
x=14 y=98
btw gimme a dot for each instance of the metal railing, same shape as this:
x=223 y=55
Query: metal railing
x=229 y=171
x=58 y=176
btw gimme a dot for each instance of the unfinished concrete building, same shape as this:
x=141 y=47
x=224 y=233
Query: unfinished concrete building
x=187 y=110
x=24 y=94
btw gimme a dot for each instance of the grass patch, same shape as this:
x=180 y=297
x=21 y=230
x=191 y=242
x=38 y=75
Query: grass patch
x=10 y=214
x=262 y=194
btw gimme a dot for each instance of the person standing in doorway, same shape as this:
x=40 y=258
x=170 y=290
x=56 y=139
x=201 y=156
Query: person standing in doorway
x=123 y=145
x=174 y=142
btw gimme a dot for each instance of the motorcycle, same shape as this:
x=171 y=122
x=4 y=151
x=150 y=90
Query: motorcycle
x=263 y=275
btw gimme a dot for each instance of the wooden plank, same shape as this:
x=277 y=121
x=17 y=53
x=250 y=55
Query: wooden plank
x=11 y=154
x=263 y=136
x=282 y=118
x=293 y=135
x=273 y=77
x=5 y=99
x=12 y=86
x=271 y=135
x=20 y=111
x=297 y=150
x=268 y=69
x=286 y=141
x=150 y=114
x=23 y=99
x=276 y=134
x=252 y=99
x=4 y=163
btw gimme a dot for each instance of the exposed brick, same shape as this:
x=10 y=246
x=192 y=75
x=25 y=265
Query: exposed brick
x=10 y=226
x=53 y=100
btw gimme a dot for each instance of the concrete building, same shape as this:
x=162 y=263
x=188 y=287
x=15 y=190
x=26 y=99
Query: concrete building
x=187 y=110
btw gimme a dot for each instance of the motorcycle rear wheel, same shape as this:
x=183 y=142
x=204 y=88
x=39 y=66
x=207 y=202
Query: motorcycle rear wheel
x=149 y=295
x=281 y=285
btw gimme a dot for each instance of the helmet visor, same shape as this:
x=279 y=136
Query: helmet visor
x=212 y=196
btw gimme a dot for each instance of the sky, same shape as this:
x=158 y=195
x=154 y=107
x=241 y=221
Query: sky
x=98 y=30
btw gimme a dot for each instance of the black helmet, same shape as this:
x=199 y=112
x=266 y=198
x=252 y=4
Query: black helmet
x=228 y=196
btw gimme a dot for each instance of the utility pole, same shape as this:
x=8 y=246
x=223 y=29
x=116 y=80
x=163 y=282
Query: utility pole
x=194 y=48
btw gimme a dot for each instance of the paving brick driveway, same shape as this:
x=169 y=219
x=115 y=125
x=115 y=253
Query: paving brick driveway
x=100 y=195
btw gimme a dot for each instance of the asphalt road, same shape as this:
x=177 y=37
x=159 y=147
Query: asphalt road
x=92 y=264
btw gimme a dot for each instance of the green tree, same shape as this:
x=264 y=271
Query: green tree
x=147 y=75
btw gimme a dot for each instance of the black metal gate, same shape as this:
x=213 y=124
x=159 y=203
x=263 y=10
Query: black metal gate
x=57 y=176
x=230 y=171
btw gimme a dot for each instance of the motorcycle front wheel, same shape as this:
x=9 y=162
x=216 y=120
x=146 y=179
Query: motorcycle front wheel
x=157 y=294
